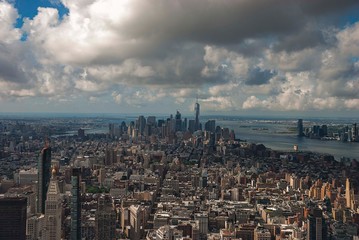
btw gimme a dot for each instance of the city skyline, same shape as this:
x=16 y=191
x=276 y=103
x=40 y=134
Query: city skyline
x=134 y=56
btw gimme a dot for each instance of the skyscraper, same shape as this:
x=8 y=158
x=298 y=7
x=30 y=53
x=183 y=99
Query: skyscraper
x=43 y=177
x=317 y=228
x=105 y=219
x=349 y=194
x=196 y=109
x=210 y=126
x=141 y=124
x=53 y=210
x=178 y=123
x=75 y=205
x=13 y=218
x=300 y=128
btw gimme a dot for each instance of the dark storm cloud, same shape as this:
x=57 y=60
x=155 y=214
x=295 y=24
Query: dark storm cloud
x=9 y=67
x=300 y=41
x=214 y=22
x=259 y=76
x=226 y=22
x=321 y=7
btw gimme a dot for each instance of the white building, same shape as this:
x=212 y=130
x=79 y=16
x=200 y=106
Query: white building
x=53 y=210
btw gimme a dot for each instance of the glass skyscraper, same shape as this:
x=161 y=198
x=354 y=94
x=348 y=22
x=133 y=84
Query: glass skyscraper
x=75 y=205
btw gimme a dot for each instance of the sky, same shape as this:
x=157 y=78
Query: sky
x=238 y=57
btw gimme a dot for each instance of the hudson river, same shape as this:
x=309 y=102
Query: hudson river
x=281 y=135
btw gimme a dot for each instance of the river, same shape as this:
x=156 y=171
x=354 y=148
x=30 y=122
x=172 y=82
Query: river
x=279 y=135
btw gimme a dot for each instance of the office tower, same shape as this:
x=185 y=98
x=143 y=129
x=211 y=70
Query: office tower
x=123 y=127
x=164 y=130
x=81 y=133
x=300 y=128
x=137 y=222
x=43 y=177
x=75 y=205
x=210 y=126
x=178 y=124
x=53 y=210
x=141 y=124
x=171 y=123
x=191 y=125
x=355 y=132
x=148 y=130
x=317 y=228
x=324 y=131
x=160 y=122
x=184 y=125
x=110 y=156
x=13 y=218
x=111 y=130
x=218 y=133
x=232 y=135
x=27 y=192
x=151 y=120
x=105 y=219
x=196 y=109
x=225 y=134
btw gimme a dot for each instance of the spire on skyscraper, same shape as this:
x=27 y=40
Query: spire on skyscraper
x=53 y=209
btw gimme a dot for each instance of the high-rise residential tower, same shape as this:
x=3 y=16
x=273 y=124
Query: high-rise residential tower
x=43 y=178
x=75 y=205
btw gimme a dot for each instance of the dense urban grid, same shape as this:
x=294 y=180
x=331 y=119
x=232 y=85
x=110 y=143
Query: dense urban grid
x=169 y=178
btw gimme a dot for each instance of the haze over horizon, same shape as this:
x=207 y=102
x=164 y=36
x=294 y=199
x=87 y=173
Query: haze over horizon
x=273 y=57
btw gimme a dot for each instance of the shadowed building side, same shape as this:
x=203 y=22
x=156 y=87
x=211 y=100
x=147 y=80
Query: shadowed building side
x=13 y=218
x=44 y=166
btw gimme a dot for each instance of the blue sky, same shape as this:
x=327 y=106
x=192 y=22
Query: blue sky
x=28 y=9
x=273 y=57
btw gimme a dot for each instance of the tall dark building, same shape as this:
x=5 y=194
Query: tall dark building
x=81 y=133
x=43 y=177
x=300 y=128
x=210 y=126
x=184 y=125
x=317 y=228
x=13 y=218
x=355 y=132
x=324 y=131
x=141 y=124
x=111 y=130
x=196 y=121
x=178 y=126
x=75 y=205
x=191 y=125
